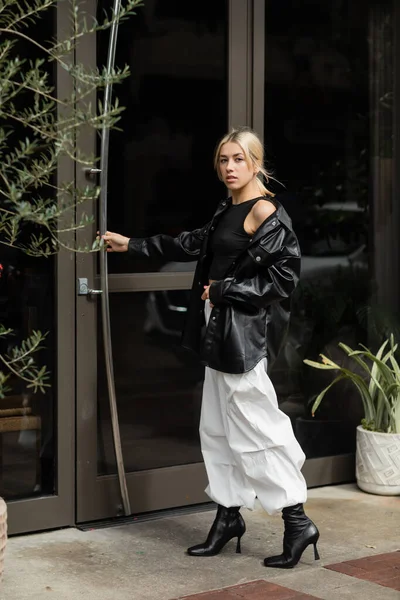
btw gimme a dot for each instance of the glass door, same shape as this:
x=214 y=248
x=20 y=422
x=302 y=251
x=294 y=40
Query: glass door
x=179 y=100
x=37 y=429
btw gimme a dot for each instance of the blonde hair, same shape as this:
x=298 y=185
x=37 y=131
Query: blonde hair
x=253 y=152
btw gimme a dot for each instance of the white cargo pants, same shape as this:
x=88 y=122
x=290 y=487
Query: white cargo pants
x=247 y=442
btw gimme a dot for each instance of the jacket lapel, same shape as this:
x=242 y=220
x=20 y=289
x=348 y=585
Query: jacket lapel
x=222 y=207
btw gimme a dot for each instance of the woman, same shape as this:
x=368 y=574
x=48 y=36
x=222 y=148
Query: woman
x=248 y=266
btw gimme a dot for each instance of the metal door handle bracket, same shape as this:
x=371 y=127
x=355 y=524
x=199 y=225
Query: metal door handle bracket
x=90 y=173
x=83 y=288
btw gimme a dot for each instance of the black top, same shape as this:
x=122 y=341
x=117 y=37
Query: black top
x=229 y=238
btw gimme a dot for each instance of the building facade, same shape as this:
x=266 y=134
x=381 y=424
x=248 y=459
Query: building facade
x=317 y=81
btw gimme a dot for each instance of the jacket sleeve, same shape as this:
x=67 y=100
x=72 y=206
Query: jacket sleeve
x=275 y=279
x=183 y=248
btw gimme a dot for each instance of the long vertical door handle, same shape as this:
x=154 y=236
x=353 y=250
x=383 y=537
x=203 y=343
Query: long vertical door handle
x=105 y=305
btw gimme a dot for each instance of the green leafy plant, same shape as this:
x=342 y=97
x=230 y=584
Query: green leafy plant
x=19 y=361
x=39 y=130
x=379 y=390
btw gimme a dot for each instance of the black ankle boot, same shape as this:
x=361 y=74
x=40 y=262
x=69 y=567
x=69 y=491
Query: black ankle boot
x=228 y=524
x=300 y=532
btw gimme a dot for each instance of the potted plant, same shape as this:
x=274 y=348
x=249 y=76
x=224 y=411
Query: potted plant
x=378 y=436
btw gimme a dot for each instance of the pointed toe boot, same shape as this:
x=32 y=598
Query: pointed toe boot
x=228 y=524
x=300 y=532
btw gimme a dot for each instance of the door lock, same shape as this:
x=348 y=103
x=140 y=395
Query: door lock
x=84 y=290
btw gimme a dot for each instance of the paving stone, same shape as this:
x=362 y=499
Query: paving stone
x=383 y=569
x=360 y=590
x=254 y=590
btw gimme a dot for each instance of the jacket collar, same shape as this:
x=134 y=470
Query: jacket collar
x=280 y=215
x=222 y=207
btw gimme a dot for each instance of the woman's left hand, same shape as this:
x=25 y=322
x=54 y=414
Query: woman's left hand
x=205 y=294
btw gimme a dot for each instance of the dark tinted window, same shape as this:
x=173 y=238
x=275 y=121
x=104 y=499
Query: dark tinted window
x=329 y=132
x=161 y=164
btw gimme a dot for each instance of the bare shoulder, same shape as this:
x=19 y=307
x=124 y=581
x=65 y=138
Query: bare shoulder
x=262 y=210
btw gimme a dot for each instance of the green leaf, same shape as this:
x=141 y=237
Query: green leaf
x=318 y=365
x=320 y=396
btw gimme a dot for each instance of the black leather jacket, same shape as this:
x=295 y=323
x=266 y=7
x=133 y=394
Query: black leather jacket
x=251 y=304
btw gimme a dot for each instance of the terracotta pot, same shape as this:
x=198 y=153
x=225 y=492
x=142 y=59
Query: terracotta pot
x=378 y=462
x=3 y=534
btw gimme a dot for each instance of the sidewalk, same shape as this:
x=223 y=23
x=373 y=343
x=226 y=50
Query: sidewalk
x=146 y=560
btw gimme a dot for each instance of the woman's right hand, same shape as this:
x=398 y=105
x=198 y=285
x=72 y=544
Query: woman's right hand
x=115 y=242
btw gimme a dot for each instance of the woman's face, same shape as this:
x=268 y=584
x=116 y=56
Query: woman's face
x=235 y=171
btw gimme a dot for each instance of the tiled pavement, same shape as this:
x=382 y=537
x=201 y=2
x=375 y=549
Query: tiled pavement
x=359 y=544
x=381 y=569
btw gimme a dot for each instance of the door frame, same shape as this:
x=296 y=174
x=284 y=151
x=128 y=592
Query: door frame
x=58 y=510
x=98 y=497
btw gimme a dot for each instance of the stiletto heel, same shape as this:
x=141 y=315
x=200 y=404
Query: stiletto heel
x=227 y=525
x=300 y=532
x=316 y=555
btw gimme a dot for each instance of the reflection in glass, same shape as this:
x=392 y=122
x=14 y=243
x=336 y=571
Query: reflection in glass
x=324 y=117
x=27 y=304
x=158 y=384
x=27 y=445
x=161 y=171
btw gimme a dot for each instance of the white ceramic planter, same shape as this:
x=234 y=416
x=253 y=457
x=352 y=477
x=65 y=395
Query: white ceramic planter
x=378 y=462
x=3 y=534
